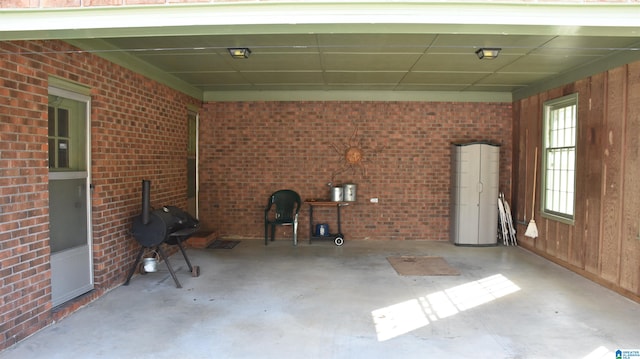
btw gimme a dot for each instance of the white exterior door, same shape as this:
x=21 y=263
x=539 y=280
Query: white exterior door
x=69 y=195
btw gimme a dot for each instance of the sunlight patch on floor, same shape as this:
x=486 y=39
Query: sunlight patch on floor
x=404 y=317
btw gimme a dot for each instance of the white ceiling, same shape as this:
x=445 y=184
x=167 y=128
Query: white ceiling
x=394 y=62
x=383 y=48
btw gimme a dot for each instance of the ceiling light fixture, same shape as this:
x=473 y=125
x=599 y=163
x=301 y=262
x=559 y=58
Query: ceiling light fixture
x=239 y=52
x=488 y=53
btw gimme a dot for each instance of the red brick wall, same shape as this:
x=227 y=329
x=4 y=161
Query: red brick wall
x=24 y=264
x=248 y=150
x=138 y=130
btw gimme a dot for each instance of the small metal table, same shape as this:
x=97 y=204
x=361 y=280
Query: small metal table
x=338 y=238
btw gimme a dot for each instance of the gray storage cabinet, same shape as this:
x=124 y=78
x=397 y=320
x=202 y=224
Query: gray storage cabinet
x=474 y=193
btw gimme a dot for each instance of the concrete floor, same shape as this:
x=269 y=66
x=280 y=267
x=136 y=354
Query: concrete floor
x=323 y=301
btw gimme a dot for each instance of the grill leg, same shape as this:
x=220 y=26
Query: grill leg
x=179 y=243
x=135 y=265
x=195 y=270
x=166 y=260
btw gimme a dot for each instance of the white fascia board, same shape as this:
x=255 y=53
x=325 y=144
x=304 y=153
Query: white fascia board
x=444 y=17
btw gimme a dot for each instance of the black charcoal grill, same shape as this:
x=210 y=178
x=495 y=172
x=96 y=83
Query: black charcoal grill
x=168 y=225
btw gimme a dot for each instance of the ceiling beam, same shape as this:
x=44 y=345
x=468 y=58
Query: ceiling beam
x=407 y=96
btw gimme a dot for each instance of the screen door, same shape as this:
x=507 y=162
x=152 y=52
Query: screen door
x=69 y=195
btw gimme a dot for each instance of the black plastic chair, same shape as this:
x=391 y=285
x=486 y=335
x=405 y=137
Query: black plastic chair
x=282 y=209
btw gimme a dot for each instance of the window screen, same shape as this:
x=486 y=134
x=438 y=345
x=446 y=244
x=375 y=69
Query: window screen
x=559 y=175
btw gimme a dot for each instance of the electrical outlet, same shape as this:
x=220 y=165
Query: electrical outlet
x=374 y=200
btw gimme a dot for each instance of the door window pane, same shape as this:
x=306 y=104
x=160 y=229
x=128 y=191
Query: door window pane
x=66 y=139
x=63 y=153
x=63 y=122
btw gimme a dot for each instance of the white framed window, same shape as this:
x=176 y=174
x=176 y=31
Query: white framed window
x=559 y=157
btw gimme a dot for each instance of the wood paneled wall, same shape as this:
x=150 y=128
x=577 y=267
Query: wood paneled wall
x=604 y=243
